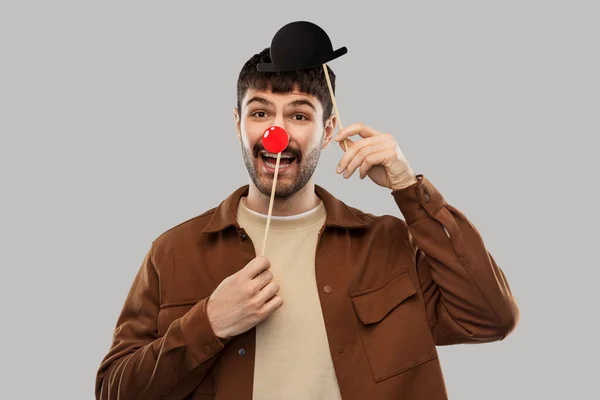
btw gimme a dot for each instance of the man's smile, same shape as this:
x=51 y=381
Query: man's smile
x=269 y=160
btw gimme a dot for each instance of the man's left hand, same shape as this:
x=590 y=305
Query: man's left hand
x=377 y=156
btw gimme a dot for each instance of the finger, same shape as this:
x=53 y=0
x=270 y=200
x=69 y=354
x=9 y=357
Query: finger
x=359 y=128
x=261 y=280
x=256 y=266
x=267 y=292
x=373 y=159
x=360 y=156
x=355 y=148
x=344 y=143
x=270 y=306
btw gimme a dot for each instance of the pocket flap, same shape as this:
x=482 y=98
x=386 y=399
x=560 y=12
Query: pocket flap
x=373 y=304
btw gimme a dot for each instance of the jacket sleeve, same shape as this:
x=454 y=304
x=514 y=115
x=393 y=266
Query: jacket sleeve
x=142 y=365
x=466 y=294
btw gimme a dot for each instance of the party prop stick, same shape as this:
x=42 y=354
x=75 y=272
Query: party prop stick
x=334 y=104
x=275 y=140
x=262 y=253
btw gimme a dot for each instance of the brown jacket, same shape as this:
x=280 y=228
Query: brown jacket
x=390 y=290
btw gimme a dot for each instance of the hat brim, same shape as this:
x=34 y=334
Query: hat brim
x=271 y=67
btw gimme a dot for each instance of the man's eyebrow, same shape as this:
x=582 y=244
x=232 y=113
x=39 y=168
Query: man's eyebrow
x=303 y=102
x=260 y=100
x=266 y=102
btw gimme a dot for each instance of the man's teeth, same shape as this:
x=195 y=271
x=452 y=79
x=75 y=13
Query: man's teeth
x=275 y=155
x=281 y=166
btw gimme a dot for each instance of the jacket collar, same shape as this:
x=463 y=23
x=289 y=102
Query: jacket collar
x=338 y=213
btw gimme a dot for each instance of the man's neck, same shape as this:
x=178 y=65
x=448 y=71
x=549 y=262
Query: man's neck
x=303 y=200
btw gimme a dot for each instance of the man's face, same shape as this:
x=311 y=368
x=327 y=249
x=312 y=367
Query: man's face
x=301 y=115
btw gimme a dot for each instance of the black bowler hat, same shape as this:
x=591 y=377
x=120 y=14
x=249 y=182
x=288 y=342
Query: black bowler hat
x=300 y=45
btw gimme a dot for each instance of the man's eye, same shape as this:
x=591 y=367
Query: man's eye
x=258 y=112
x=300 y=115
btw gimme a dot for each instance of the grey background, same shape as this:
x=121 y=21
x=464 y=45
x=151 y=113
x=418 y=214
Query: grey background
x=117 y=123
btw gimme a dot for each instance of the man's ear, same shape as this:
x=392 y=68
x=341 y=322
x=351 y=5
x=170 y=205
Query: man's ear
x=236 y=117
x=329 y=130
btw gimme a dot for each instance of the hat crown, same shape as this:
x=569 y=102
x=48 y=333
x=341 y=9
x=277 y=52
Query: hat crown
x=298 y=45
x=298 y=41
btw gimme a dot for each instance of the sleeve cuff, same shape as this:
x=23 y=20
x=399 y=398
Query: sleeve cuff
x=419 y=200
x=198 y=334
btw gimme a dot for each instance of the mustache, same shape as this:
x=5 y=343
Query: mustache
x=258 y=147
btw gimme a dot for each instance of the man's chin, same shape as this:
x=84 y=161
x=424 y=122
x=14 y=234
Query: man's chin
x=282 y=190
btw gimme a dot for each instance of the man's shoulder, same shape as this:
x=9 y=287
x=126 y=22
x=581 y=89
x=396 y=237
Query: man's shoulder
x=186 y=230
x=376 y=221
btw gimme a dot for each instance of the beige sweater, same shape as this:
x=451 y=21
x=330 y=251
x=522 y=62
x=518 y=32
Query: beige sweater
x=293 y=359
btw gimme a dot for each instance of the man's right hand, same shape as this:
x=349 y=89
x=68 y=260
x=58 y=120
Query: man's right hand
x=244 y=299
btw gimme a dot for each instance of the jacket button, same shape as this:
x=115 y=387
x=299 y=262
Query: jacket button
x=243 y=236
x=242 y=352
x=339 y=348
x=327 y=289
x=426 y=197
x=207 y=350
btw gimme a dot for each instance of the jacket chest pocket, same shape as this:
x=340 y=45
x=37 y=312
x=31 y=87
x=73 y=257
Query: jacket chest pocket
x=393 y=326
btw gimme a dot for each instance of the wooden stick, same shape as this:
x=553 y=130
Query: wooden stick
x=262 y=253
x=333 y=100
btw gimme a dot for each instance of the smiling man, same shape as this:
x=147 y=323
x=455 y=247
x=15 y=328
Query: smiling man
x=345 y=304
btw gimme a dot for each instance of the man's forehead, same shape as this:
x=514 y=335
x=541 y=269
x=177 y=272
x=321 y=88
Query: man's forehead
x=284 y=97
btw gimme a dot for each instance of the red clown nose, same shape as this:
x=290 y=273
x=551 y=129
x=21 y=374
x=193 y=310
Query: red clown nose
x=275 y=139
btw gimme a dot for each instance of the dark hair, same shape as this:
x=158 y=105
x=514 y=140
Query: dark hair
x=311 y=81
